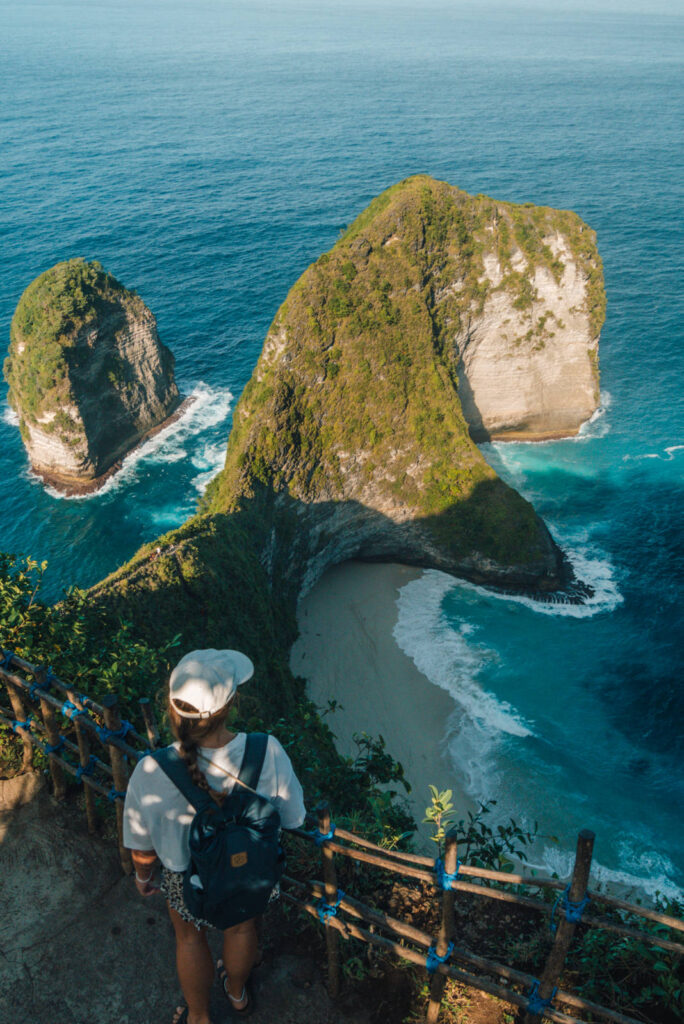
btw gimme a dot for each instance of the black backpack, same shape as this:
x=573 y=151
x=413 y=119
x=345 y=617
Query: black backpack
x=235 y=856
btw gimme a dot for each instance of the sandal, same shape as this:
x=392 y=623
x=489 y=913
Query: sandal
x=244 y=1011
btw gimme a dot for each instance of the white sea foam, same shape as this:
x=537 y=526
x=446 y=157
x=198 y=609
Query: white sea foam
x=10 y=417
x=666 y=455
x=441 y=652
x=598 y=425
x=644 y=872
x=209 y=407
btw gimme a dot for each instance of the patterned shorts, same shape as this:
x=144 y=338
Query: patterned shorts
x=172 y=889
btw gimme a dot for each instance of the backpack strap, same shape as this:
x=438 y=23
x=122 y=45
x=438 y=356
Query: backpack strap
x=253 y=759
x=173 y=765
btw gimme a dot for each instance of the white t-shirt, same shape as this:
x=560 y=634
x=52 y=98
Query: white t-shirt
x=157 y=816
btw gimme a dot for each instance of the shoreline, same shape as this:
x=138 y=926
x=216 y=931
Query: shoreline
x=79 y=489
x=346 y=651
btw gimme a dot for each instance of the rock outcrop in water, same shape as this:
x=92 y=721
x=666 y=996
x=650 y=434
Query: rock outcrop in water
x=88 y=375
x=351 y=434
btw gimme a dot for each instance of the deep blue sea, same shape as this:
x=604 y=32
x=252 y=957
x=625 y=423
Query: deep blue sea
x=207 y=151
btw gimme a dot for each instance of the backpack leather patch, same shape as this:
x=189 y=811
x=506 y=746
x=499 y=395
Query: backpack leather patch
x=238 y=860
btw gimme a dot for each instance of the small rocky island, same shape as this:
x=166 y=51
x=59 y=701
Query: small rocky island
x=89 y=378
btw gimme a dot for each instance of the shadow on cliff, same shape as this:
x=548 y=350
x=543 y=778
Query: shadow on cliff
x=100 y=378
x=233 y=579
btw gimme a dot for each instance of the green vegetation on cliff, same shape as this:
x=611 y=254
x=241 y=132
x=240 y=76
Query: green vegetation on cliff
x=50 y=316
x=356 y=389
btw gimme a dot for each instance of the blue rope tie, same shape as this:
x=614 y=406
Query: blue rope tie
x=114 y=794
x=323 y=837
x=44 y=686
x=22 y=725
x=70 y=710
x=89 y=768
x=326 y=910
x=444 y=878
x=144 y=753
x=573 y=910
x=6 y=658
x=54 y=748
x=535 y=1003
x=106 y=734
x=432 y=960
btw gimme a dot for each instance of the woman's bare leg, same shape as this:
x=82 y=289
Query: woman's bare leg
x=195 y=967
x=239 y=955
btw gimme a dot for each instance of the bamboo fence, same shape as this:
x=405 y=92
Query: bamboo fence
x=101 y=722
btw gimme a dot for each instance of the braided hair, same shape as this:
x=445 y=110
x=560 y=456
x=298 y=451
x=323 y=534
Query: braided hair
x=190 y=732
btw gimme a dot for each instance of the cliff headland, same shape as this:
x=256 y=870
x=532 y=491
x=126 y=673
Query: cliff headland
x=89 y=377
x=350 y=439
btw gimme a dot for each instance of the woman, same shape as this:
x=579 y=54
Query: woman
x=202 y=694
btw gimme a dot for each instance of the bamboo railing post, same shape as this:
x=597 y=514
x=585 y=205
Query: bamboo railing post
x=446 y=928
x=52 y=733
x=332 y=938
x=112 y=718
x=19 y=710
x=83 y=741
x=566 y=929
x=150 y=722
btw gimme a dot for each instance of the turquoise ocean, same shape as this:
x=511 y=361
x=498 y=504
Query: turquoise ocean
x=207 y=151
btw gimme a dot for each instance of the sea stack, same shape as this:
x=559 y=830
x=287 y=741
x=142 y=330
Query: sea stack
x=437 y=319
x=88 y=376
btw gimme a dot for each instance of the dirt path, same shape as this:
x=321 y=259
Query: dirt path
x=79 y=946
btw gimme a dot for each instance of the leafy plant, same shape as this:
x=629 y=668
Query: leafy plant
x=480 y=844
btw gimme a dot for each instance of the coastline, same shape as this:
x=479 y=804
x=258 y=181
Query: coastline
x=346 y=652
x=81 y=488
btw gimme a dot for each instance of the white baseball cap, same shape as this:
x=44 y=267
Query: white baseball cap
x=207 y=680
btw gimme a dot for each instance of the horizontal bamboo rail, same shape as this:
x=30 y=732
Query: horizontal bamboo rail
x=79 y=710
x=87 y=779
x=381 y=920
x=347 y=929
x=88 y=702
x=82 y=704
x=510 y=878
x=379 y=858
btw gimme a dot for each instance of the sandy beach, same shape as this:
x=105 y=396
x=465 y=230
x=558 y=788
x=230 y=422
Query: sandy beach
x=346 y=652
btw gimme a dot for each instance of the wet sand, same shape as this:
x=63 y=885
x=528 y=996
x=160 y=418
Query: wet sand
x=347 y=653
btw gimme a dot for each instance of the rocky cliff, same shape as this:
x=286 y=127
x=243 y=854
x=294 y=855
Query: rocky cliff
x=351 y=434
x=88 y=375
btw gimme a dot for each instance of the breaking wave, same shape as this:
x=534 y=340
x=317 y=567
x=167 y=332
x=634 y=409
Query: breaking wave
x=447 y=655
x=207 y=408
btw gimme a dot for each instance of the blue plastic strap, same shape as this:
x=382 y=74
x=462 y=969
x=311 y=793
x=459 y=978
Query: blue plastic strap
x=432 y=960
x=54 y=748
x=326 y=910
x=87 y=769
x=444 y=878
x=144 y=753
x=114 y=794
x=6 y=658
x=573 y=910
x=106 y=734
x=22 y=725
x=323 y=837
x=69 y=710
x=535 y=1003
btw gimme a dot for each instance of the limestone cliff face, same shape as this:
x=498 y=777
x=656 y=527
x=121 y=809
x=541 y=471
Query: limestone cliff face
x=350 y=441
x=88 y=374
x=530 y=372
